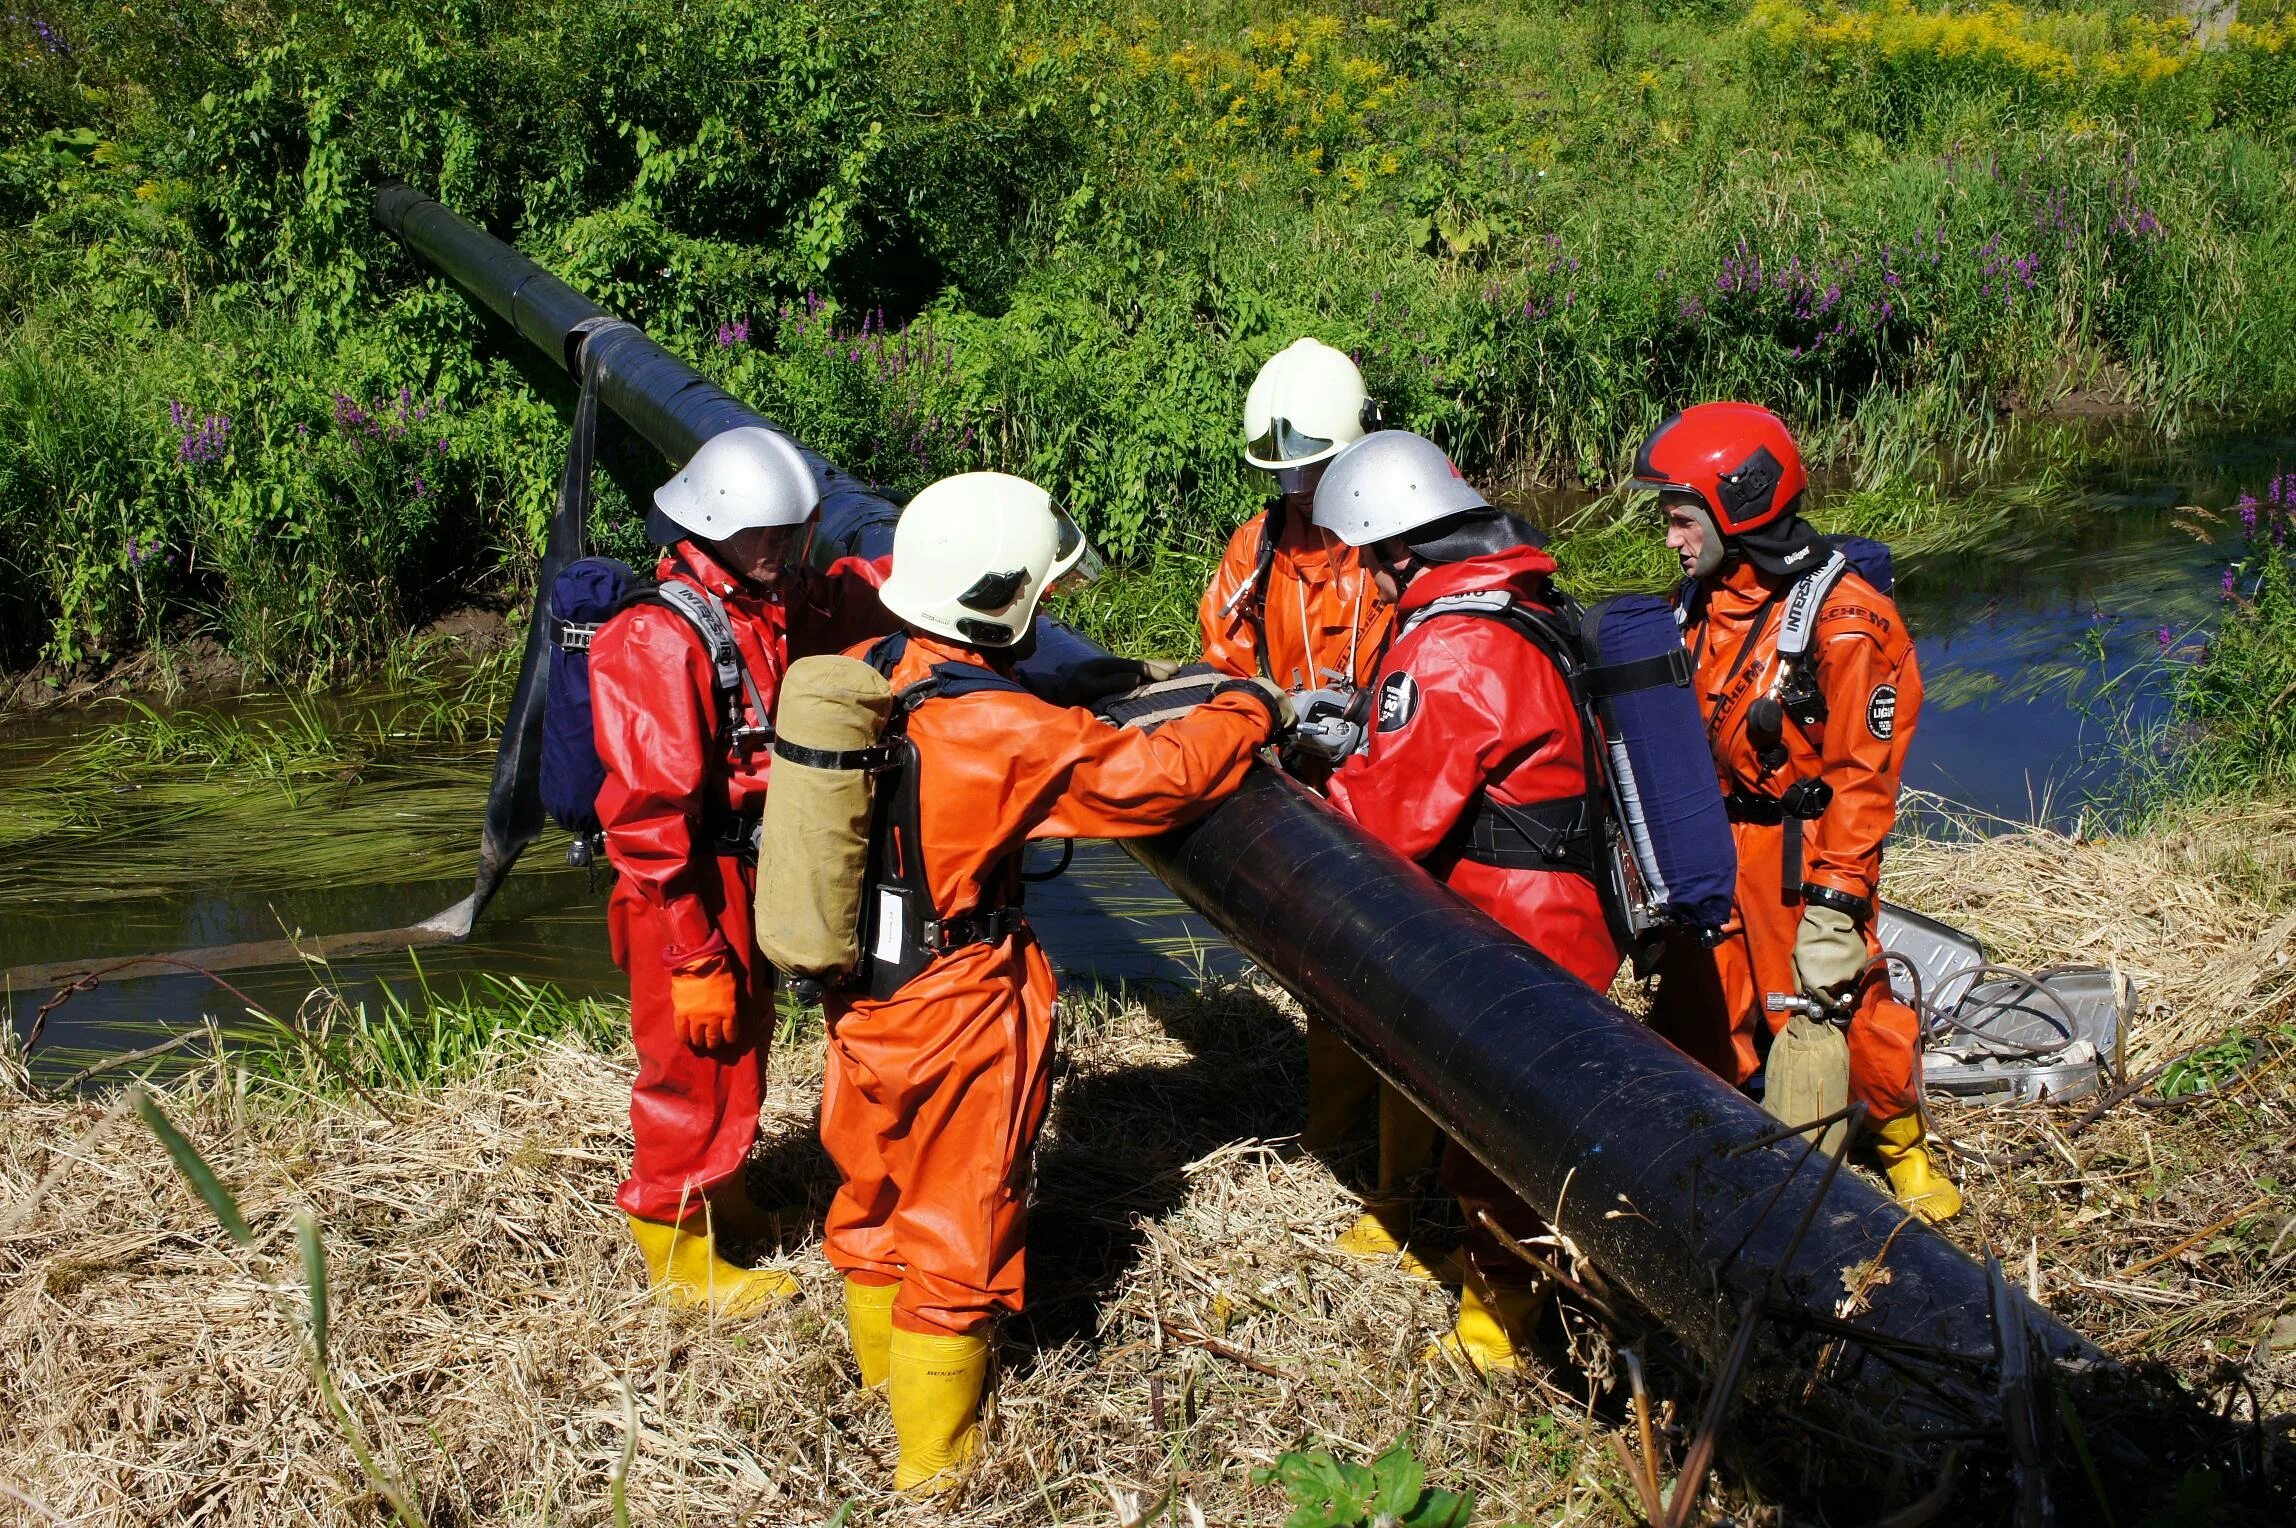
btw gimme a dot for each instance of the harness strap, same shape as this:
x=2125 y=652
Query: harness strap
x=748 y=717
x=1668 y=668
x=980 y=926
x=872 y=758
x=1542 y=835
x=1803 y=801
x=1805 y=597
x=901 y=887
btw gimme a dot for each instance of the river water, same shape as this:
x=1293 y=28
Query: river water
x=2010 y=632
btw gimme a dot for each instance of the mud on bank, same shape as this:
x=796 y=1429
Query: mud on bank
x=1189 y=1321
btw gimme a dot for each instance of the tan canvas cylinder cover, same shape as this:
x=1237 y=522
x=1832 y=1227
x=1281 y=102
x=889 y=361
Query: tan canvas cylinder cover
x=813 y=842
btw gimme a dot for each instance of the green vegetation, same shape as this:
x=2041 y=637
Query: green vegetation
x=1327 y=1492
x=408 y=1044
x=2235 y=716
x=1057 y=239
x=2228 y=732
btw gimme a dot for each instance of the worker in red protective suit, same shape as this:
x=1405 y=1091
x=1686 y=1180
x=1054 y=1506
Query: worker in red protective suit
x=1294 y=604
x=1475 y=766
x=939 y=1068
x=685 y=771
x=1811 y=690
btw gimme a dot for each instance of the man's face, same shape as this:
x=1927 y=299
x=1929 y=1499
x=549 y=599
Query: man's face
x=1392 y=568
x=1687 y=530
x=1298 y=483
x=759 y=554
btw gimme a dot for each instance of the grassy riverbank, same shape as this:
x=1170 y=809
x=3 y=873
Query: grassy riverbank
x=1057 y=240
x=1189 y=1325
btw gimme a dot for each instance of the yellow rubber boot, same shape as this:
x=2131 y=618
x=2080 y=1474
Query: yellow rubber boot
x=1339 y=1084
x=1407 y=1142
x=684 y=1270
x=869 y=1321
x=1494 y=1326
x=1913 y=1177
x=935 y=1390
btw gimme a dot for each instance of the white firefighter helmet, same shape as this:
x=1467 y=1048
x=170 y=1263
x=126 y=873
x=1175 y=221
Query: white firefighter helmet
x=974 y=553
x=738 y=480
x=1389 y=484
x=1305 y=406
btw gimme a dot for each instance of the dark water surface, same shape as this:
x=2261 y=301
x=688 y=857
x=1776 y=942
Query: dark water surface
x=2009 y=632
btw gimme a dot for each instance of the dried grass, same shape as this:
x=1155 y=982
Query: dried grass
x=1186 y=1321
x=2199 y=909
x=2166 y=1234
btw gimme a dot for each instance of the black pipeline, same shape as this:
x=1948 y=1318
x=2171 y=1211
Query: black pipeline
x=669 y=404
x=1651 y=1165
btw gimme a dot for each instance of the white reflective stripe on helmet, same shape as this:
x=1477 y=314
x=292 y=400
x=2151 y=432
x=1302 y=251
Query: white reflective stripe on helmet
x=1306 y=405
x=1390 y=483
x=739 y=480
x=972 y=556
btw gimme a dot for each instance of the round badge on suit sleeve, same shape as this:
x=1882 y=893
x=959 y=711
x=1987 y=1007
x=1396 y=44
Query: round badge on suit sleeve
x=1398 y=701
x=1881 y=711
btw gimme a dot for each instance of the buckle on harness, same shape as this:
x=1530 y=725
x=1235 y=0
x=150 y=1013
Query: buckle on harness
x=574 y=636
x=941 y=935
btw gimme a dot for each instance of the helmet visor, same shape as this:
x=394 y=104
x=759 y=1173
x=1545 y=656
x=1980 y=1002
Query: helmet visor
x=1279 y=442
x=1074 y=563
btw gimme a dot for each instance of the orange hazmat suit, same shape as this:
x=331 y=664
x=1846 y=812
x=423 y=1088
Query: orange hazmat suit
x=1316 y=624
x=934 y=1096
x=1870 y=681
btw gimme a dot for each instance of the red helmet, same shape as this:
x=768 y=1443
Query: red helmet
x=1737 y=458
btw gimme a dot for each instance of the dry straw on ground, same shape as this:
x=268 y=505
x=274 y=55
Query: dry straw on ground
x=1188 y=1321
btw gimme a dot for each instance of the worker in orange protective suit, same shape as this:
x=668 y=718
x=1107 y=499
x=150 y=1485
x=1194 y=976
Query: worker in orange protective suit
x=1290 y=602
x=1475 y=766
x=939 y=1071
x=685 y=774
x=1295 y=605
x=1811 y=690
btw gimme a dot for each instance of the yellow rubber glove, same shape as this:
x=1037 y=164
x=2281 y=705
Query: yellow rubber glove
x=1830 y=955
x=702 y=1004
x=1157 y=670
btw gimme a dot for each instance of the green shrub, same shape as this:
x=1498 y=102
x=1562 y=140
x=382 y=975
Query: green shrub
x=1058 y=240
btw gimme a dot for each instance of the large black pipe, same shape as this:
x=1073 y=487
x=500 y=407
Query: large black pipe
x=1649 y=1163
x=670 y=405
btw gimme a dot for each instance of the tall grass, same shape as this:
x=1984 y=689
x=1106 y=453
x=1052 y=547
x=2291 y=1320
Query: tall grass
x=1057 y=239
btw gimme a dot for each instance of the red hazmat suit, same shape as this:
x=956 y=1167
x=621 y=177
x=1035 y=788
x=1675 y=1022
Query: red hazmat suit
x=1469 y=709
x=1324 y=625
x=1871 y=684
x=677 y=801
x=934 y=1096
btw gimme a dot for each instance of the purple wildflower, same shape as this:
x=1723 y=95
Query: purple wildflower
x=2165 y=637
x=205 y=444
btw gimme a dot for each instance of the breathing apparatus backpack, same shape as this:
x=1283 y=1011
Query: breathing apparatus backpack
x=586 y=595
x=843 y=894
x=1650 y=830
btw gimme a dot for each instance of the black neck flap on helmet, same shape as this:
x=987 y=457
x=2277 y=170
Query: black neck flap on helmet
x=1787 y=545
x=1475 y=533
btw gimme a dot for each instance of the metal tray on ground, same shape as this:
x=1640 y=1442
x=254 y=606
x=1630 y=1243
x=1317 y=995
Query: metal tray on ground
x=1992 y=1034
